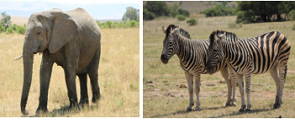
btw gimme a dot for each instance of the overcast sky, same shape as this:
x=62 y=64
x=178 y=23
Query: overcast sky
x=99 y=9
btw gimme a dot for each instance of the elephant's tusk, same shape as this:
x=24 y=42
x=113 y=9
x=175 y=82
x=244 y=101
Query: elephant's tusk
x=18 y=58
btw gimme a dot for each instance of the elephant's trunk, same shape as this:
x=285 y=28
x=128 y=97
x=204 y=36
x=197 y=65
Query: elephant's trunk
x=28 y=67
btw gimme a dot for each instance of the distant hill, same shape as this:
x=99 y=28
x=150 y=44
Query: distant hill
x=19 y=20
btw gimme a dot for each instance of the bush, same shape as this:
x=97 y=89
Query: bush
x=293 y=28
x=234 y=25
x=147 y=15
x=219 y=10
x=191 y=21
x=291 y=15
x=118 y=24
x=180 y=17
x=245 y=17
x=7 y=27
x=183 y=12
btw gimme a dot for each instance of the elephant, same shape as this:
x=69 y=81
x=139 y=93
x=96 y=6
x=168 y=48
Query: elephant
x=71 y=39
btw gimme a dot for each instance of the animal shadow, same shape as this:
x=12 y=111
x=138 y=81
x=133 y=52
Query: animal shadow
x=184 y=112
x=66 y=110
x=240 y=113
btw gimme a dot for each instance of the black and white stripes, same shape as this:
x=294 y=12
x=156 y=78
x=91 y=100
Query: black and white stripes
x=266 y=52
x=192 y=55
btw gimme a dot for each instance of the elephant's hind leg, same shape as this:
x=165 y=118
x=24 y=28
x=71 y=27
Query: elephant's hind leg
x=93 y=75
x=83 y=89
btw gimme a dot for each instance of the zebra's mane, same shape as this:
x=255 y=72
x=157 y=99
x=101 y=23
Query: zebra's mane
x=172 y=28
x=220 y=32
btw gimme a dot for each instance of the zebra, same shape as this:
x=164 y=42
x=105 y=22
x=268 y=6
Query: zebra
x=192 y=55
x=267 y=52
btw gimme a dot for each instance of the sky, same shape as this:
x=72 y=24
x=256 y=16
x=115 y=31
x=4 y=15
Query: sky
x=99 y=9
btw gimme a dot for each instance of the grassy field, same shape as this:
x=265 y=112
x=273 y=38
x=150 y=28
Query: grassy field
x=165 y=96
x=118 y=78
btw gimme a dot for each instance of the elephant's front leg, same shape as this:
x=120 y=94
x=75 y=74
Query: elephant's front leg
x=71 y=60
x=189 y=79
x=71 y=84
x=45 y=74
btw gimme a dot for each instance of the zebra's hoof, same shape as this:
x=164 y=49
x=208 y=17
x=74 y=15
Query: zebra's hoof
x=243 y=108
x=276 y=105
x=188 y=109
x=197 y=109
x=231 y=104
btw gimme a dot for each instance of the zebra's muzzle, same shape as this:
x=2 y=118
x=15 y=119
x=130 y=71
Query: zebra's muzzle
x=164 y=59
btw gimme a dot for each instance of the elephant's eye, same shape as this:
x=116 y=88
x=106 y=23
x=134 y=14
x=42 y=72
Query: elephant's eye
x=38 y=33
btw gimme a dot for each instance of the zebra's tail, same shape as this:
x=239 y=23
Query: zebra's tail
x=286 y=70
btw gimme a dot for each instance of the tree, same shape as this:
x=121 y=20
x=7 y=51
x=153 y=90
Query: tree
x=5 y=21
x=158 y=8
x=264 y=11
x=131 y=14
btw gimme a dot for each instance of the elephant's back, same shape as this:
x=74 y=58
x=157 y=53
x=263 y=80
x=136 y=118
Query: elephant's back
x=89 y=35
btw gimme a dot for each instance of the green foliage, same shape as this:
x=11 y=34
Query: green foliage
x=5 y=21
x=118 y=24
x=183 y=12
x=291 y=15
x=220 y=10
x=259 y=11
x=147 y=15
x=131 y=14
x=192 y=21
x=153 y=9
x=158 y=8
x=180 y=17
x=5 y=25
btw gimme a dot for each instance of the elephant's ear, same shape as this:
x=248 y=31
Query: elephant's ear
x=63 y=31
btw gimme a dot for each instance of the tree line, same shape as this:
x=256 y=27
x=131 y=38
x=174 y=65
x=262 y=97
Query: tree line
x=246 y=11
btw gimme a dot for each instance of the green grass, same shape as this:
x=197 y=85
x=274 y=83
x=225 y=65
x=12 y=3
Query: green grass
x=164 y=98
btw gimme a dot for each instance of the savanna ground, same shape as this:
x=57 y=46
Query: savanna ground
x=165 y=92
x=118 y=78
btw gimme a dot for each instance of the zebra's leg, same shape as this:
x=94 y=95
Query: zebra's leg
x=248 y=86
x=282 y=71
x=189 y=79
x=233 y=85
x=197 y=90
x=225 y=75
x=242 y=91
x=275 y=75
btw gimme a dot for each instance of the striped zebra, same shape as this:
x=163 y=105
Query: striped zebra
x=193 y=55
x=257 y=55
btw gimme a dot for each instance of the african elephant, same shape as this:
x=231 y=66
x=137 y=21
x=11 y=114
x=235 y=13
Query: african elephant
x=70 y=39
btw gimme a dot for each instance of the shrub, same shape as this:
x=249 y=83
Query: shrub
x=191 y=21
x=291 y=15
x=293 y=28
x=219 y=10
x=183 y=12
x=180 y=17
x=245 y=17
x=147 y=15
x=118 y=24
x=234 y=25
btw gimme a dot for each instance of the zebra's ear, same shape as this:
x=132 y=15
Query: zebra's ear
x=163 y=29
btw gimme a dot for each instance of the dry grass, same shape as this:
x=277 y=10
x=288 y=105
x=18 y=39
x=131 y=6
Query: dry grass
x=118 y=78
x=163 y=96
